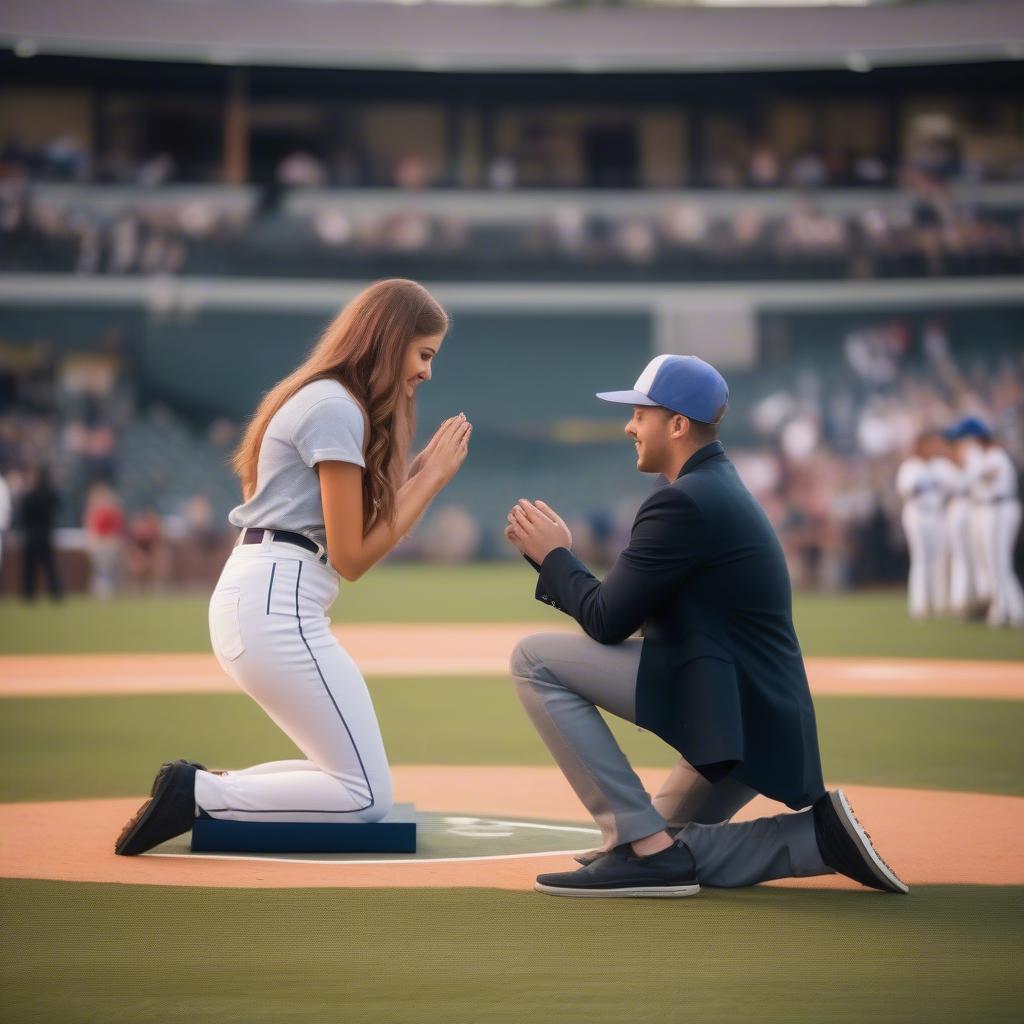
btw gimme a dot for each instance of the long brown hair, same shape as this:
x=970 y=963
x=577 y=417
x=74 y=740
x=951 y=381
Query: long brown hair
x=363 y=349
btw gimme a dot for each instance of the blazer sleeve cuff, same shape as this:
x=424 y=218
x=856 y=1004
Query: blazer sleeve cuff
x=551 y=570
x=556 y=559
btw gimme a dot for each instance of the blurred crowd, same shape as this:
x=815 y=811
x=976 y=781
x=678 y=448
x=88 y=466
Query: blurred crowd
x=928 y=233
x=820 y=433
x=915 y=226
x=64 y=485
x=84 y=239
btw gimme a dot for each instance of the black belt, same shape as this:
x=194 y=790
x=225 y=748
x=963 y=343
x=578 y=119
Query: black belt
x=255 y=534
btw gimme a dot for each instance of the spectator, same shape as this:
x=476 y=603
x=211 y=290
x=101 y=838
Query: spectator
x=808 y=170
x=809 y=229
x=123 y=244
x=636 y=241
x=147 y=556
x=333 y=227
x=870 y=170
x=503 y=173
x=66 y=158
x=156 y=171
x=104 y=527
x=765 y=171
x=684 y=224
x=40 y=505
x=411 y=172
x=301 y=170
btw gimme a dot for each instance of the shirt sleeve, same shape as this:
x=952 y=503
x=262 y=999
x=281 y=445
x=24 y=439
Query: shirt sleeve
x=331 y=430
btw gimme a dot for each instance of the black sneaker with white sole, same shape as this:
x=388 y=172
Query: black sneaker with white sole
x=621 y=872
x=846 y=847
x=168 y=813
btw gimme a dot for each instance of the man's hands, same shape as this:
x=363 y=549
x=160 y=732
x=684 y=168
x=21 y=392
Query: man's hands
x=536 y=529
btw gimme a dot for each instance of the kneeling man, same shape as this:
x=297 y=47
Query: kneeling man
x=718 y=673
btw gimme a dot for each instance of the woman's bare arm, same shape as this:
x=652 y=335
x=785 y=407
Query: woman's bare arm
x=341 y=491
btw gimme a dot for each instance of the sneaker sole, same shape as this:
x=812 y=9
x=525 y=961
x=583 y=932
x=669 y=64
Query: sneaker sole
x=886 y=876
x=142 y=817
x=130 y=830
x=654 y=891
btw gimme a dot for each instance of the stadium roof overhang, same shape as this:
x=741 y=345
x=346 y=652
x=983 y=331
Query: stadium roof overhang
x=446 y=37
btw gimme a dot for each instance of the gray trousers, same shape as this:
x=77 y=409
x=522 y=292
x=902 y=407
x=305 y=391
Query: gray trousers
x=562 y=679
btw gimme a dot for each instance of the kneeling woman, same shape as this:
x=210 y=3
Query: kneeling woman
x=328 y=492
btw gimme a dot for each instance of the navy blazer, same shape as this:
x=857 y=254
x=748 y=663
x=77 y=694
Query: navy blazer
x=721 y=674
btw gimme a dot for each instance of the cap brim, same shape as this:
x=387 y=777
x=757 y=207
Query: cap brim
x=625 y=398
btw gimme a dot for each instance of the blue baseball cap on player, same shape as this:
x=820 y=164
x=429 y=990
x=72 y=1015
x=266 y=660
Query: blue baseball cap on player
x=684 y=384
x=969 y=426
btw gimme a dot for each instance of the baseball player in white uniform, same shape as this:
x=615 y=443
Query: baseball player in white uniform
x=995 y=520
x=328 y=492
x=999 y=523
x=921 y=485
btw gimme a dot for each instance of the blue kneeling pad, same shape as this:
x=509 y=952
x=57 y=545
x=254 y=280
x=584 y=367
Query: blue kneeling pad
x=395 y=833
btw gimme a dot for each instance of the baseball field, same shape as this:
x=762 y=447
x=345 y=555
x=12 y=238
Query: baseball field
x=920 y=722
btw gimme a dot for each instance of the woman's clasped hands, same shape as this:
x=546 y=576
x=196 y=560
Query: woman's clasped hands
x=446 y=451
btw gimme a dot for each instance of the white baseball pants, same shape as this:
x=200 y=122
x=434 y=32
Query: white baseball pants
x=926 y=543
x=1000 y=525
x=981 y=551
x=271 y=634
x=961 y=561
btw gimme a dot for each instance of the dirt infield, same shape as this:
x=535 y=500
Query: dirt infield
x=929 y=837
x=470 y=650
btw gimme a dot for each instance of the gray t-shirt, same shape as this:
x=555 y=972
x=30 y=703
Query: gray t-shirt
x=320 y=422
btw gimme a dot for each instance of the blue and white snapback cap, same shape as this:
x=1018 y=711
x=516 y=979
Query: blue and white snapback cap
x=683 y=384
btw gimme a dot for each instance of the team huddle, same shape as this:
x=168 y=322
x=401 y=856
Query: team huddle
x=961 y=516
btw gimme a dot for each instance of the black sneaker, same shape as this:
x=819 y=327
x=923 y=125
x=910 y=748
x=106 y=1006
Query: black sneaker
x=622 y=873
x=167 y=766
x=846 y=847
x=169 y=812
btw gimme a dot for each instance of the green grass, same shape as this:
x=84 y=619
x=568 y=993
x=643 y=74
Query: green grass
x=148 y=955
x=70 y=748
x=873 y=623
